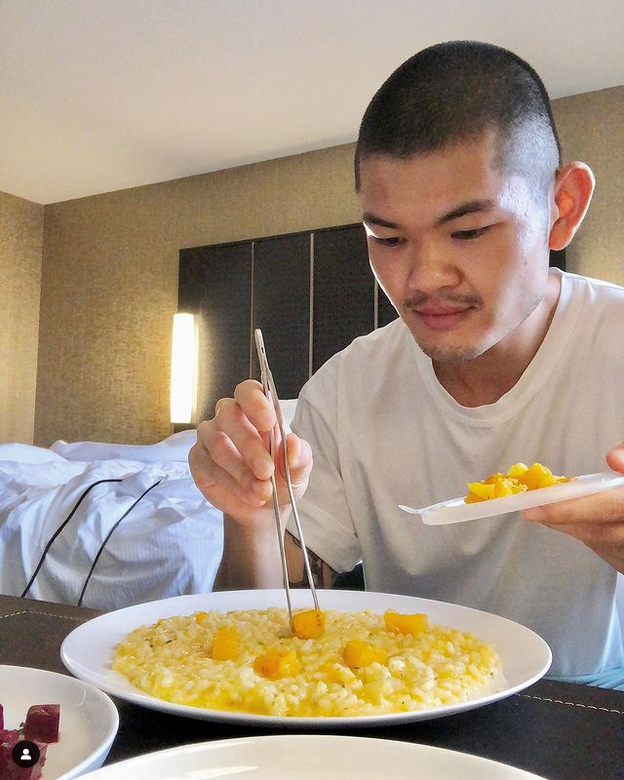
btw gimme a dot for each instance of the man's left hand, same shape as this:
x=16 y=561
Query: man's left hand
x=596 y=520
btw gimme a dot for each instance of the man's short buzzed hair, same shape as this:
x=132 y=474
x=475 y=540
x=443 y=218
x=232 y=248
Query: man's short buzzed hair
x=454 y=92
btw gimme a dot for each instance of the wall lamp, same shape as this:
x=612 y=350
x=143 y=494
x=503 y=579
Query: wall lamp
x=183 y=368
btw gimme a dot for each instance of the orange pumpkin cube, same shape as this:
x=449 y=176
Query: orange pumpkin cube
x=517 y=470
x=224 y=644
x=493 y=479
x=357 y=654
x=309 y=624
x=537 y=476
x=276 y=663
x=518 y=479
x=480 y=491
x=508 y=487
x=400 y=623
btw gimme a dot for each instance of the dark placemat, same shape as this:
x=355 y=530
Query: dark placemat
x=31 y=632
x=557 y=730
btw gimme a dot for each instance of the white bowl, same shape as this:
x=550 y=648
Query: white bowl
x=88 y=724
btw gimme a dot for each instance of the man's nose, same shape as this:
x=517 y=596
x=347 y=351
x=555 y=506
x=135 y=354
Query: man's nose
x=430 y=268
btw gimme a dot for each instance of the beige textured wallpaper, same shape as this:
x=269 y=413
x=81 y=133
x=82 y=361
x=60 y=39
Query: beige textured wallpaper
x=109 y=286
x=591 y=127
x=110 y=277
x=21 y=237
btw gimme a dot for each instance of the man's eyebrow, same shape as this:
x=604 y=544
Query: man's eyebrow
x=470 y=207
x=373 y=219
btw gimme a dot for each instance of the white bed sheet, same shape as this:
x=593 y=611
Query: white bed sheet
x=169 y=544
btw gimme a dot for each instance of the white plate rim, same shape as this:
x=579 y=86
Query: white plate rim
x=111 y=727
x=456 y=511
x=116 y=685
x=288 y=741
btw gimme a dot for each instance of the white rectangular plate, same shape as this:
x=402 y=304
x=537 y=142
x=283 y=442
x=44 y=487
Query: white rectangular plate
x=456 y=511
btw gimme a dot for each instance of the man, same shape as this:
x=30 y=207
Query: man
x=495 y=359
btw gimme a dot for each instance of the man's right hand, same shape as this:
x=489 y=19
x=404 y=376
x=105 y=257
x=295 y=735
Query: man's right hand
x=231 y=464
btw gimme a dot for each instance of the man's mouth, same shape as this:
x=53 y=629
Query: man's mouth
x=441 y=317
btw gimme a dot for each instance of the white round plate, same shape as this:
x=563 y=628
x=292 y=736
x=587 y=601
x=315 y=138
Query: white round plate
x=88 y=723
x=456 y=511
x=309 y=757
x=89 y=649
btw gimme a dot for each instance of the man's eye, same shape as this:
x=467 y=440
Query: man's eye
x=394 y=241
x=467 y=235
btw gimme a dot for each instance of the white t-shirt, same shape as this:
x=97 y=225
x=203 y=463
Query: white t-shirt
x=385 y=432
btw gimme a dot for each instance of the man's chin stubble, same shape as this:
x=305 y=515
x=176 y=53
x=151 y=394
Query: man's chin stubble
x=451 y=355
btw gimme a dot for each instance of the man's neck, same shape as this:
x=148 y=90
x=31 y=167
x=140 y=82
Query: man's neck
x=488 y=377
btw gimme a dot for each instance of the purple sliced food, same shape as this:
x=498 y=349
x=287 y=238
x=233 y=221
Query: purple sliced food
x=9 y=770
x=42 y=723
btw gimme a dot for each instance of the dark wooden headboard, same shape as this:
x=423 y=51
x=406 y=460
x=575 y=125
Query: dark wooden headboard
x=311 y=293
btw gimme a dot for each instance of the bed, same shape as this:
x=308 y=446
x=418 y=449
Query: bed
x=106 y=525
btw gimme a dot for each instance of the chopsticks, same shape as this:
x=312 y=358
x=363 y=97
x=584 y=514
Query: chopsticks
x=268 y=385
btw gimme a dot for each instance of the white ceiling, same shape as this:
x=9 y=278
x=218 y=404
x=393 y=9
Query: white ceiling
x=100 y=95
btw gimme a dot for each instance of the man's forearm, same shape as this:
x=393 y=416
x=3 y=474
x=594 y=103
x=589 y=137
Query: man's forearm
x=251 y=558
x=323 y=576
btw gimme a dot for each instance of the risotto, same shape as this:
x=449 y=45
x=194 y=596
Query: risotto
x=320 y=677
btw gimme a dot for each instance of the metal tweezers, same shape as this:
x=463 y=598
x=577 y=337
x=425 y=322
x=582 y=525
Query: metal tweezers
x=268 y=385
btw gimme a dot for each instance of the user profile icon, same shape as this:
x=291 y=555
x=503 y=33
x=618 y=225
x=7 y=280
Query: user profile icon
x=25 y=753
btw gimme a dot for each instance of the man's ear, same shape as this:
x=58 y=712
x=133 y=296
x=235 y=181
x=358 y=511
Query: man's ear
x=574 y=185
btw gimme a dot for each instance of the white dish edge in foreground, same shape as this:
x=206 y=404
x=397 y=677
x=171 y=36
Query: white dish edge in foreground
x=309 y=757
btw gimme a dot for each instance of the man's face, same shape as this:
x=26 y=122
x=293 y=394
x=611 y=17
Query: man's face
x=459 y=247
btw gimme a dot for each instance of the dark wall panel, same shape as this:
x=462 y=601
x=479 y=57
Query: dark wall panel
x=215 y=283
x=558 y=258
x=266 y=283
x=344 y=291
x=281 y=308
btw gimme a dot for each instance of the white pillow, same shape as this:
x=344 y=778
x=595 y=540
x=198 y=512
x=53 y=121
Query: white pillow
x=26 y=453
x=174 y=448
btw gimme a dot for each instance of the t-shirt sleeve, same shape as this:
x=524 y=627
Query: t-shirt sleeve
x=323 y=510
